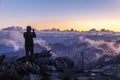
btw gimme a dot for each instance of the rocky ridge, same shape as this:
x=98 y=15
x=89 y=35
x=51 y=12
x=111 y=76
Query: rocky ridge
x=48 y=68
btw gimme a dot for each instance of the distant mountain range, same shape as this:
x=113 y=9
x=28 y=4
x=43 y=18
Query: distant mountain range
x=18 y=28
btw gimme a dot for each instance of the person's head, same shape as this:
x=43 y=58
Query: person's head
x=28 y=28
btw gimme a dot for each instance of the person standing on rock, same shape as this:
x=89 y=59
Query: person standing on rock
x=29 y=44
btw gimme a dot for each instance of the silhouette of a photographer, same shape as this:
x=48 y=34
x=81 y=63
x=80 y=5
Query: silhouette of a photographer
x=29 y=44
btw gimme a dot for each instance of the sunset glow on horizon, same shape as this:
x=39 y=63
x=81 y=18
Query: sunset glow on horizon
x=81 y=15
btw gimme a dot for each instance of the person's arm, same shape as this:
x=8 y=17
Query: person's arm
x=34 y=34
x=24 y=35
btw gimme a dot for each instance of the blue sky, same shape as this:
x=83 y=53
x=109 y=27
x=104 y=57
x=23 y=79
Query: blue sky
x=54 y=7
x=42 y=12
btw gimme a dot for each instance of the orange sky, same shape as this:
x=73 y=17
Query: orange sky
x=77 y=23
x=81 y=15
x=80 y=24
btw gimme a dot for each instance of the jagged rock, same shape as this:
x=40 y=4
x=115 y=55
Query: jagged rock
x=56 y=74
x=60 y=68
x=8 y=72
x=22 y=59
x=36 y=69
x=83 y=78
x=68 y=75
x=9 y=59
x=44 y=53
x=45 y=68
x=26 y=77
x=32 y=77
x=35 y=77
x=112 y=71
x=63 y=63
x=54 y=78
x=2 y=58
x=44 y=60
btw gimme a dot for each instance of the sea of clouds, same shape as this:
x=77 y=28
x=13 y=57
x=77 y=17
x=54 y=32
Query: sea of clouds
x=93 y=44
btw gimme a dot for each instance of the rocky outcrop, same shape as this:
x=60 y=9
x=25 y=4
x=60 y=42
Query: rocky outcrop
x=2 y=58
x=44 y=68
x=59 y=68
